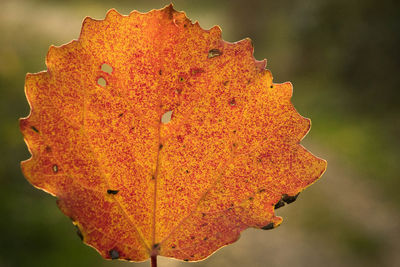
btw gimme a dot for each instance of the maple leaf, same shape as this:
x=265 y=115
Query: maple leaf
x=159 y=138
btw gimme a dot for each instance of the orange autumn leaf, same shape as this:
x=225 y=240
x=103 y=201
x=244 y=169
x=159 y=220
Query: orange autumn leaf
x=159 y=138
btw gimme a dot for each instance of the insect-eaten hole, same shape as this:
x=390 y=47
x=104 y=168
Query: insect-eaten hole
x=114 y=254
x=166 y=117
x=289 y=199
x=112 y=192
x=34 y=129
x=268 y=226
x=106 y=68
x=101 y=81
x=214 y=53
x=55 y=168
x=279 y=204
x=79 y=233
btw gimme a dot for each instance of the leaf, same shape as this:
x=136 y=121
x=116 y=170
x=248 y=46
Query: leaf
x=159 y=138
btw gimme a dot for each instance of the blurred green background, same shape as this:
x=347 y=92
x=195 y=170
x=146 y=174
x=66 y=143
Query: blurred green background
x=342 y=57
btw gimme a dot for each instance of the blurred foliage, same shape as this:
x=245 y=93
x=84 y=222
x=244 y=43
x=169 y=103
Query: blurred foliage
x=342 y=57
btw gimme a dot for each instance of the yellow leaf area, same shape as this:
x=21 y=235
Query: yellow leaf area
x=159 y=138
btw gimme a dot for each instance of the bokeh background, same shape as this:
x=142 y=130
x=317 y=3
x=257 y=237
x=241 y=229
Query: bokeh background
x=342 y=57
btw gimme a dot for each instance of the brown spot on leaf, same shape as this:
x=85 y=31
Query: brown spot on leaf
x=196 y=71
x=180 y=138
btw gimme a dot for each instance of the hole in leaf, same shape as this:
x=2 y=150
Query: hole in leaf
x=268 y=226
x=166 y=117
x=101 y=81
x=214 y=53
x=55 y=168
x=113 y=254
x=112 y=192
x=34 y=129
x=106 y=68
x=289 y=199
x=79 y=233
x=279 y=204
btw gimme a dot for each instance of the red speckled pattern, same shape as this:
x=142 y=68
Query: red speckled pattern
x=136 y=185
